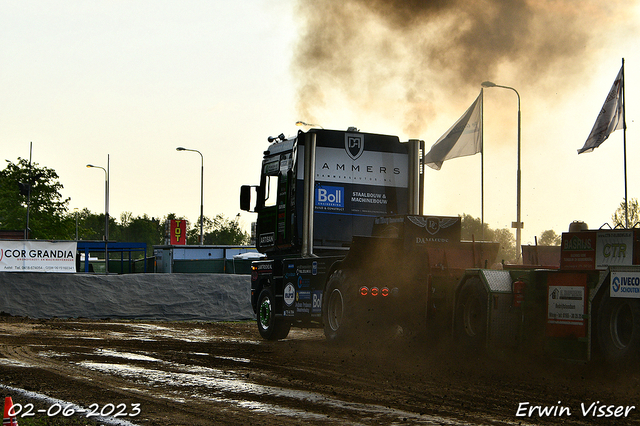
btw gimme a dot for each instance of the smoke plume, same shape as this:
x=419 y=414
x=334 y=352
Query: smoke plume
x=407 y=56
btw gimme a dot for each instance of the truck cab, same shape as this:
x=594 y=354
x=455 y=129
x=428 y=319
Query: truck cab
x=320 y=188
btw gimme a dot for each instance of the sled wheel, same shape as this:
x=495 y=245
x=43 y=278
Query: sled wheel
x=270 y=327
x=618 y=328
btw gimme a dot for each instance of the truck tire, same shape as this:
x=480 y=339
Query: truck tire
x=618 y=328
x=471 y=315
x=270 y=327
x=338 y=308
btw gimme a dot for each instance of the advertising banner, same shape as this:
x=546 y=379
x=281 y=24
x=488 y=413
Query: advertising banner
x=578 y=250
x=358 y=177
x=566 y=305
x=178 y=232
x=625 y=284
x=614 y=248
x=38 y=256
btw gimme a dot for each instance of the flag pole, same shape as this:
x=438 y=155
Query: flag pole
x=482 y=161
x=624 y=129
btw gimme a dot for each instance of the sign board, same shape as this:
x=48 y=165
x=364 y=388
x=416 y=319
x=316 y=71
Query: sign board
x=578 y=251
x=178 y=232
x=38 y=256
x=614 y=248
x=358 y=177
x=566 y=305
x=589 y=250
x=625 y=284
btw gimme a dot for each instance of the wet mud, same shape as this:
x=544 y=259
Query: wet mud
x=178 y=373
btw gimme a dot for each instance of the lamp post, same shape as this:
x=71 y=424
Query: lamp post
x=201 y=188
x=76 y=212
x=106 y=213
x=518 y=223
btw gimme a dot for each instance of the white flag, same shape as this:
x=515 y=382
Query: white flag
x=462 y=139
x=610 y=117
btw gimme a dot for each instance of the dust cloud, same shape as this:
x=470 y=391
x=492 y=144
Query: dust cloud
x=411 y=56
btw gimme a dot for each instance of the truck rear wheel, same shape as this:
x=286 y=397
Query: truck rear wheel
x=270 y=327
x=619 y=328
x=471 y=315
x=337 y=308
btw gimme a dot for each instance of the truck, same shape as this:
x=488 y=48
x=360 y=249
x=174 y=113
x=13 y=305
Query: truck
x=340 y=218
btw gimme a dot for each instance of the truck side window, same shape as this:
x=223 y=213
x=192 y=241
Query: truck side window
x=271 y=191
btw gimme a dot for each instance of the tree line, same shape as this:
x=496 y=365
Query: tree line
x=28 y=190
x=472 y=229
x=33 y=191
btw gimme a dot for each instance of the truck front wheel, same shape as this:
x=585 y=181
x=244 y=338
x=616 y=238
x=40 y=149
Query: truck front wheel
x=270 y=327
x=619 y=328
x=471 y=315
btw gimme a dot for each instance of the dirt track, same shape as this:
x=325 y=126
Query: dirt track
x=222 y=373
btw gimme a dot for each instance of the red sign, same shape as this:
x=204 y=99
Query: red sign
x=578 y=250
x=178 y=232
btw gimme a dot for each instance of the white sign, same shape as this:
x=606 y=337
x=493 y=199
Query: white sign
x=566 y=304
x=289 y=294
x=37 y=256
x=374 y=168
x=614 y=249
x=625 y=284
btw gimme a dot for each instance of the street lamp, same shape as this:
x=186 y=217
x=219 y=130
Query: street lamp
x=76 y=212
x=518 y=223
x=201 y=188
x=106 y=214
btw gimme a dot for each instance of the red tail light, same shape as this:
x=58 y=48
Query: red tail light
x=374 y=291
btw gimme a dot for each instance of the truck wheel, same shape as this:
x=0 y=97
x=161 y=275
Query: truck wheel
x=471 y=315
x=619 y=328
x=270 y=327
x=337 y=308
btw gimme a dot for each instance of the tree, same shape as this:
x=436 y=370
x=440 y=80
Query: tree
x=226 y=231
x=91 y=226
x=472 y=228
x=507 y=252
x=140 y=229
x=549 y=238
x=37 y=187
x=218 y=230
x=618 y=217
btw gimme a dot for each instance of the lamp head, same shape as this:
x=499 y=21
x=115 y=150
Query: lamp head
x=181 y=149
x=488 y=84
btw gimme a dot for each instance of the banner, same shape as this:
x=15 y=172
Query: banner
x=178 y=232
x=462 y=139
x=38 y=256
x=610 y=118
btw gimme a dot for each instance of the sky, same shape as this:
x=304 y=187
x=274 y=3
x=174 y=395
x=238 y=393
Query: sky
x=130 y=81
